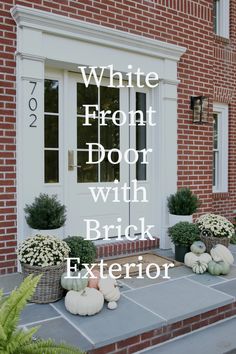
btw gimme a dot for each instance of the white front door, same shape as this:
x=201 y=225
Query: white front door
x=126 y=197
x=88 y=214
x=106 y=199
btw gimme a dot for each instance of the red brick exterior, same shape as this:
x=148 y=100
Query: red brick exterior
x=207 y=68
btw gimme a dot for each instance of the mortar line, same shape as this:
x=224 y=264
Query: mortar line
x=144 y=307
x=39 y=321
x=72 y=324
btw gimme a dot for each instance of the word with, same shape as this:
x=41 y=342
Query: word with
x=104 y=192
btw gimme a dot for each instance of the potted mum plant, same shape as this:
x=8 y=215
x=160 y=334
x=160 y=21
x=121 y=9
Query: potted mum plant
x=44 y=255
x=215 y=229
x=183 y=234
x=46 y=213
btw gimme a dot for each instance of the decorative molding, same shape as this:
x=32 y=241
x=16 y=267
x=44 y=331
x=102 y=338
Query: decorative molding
x=64 y=26
x=169 y=82
x=22 y=55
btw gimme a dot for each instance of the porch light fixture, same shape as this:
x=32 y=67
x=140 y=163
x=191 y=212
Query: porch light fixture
x=199 y=106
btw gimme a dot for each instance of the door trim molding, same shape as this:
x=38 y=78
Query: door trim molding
x=71 y=28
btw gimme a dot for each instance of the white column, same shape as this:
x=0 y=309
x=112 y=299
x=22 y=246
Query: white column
x=30 y=134
x=166 y=154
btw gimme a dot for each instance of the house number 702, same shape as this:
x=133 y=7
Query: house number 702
x=33 y=104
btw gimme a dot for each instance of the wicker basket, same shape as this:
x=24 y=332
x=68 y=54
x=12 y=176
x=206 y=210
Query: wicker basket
x=210 y=241
x=49 y=288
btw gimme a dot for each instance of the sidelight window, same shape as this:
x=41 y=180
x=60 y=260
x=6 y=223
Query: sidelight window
x=220 y=148
x=141 y=136
x=51 y=131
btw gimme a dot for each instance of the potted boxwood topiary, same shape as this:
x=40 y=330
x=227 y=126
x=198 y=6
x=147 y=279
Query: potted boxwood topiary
x=81 y=248
x=182 y=205
x=46 y=213
x=183 y=234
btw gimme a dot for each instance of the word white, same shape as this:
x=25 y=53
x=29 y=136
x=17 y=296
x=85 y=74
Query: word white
x=137 y=154
x=116 y=267
x=104 y=192
x=104 y=233
x=119 y=117
x=129 y=79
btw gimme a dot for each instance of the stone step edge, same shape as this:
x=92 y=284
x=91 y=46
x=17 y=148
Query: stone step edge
x=167 y=332
x=125 y=247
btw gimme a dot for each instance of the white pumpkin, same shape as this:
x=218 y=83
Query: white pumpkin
x=191 y=258
x=84 y=303
x=109 y=289
x=112 y=305
x=199 y=267
x=221 y=253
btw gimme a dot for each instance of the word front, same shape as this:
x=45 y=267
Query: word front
x=119 y=117
x=115 y=269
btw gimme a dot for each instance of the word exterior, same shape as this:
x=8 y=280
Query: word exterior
x=118 y=268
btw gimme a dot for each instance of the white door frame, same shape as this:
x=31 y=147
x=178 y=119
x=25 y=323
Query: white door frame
x=46 y=38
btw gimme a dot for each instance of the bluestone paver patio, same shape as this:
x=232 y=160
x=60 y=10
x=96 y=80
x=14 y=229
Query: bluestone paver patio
x=144 y=305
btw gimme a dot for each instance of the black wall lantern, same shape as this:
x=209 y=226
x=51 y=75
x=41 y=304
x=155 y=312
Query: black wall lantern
x=199 y=106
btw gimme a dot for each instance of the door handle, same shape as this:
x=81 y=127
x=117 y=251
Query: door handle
x=71 y=164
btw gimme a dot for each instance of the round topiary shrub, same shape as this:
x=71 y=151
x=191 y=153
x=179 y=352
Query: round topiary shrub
x=45 y=213
x=184 y=233
x=81 y=248
x=183 y=202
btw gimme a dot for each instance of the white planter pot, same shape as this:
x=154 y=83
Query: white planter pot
x=174 y=219
x=51 y=232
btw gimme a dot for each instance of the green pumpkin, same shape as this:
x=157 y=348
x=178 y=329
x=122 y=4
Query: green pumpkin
x=198 y=247
x=218 y=268
x=75 y=283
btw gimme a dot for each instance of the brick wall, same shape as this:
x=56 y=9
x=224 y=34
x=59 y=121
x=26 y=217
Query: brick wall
x=202 y=70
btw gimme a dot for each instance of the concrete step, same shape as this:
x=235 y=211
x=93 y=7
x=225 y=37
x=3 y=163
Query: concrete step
x=215 y=339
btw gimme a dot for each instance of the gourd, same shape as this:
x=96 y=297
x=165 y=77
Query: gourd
x=87 y=302
x=218 y=268
x=109 y=289
x=93 y=282
x=191 y=258
x=199 y=267
x=198 y=247
x=222 y=253
x=112 y=305
x=77 y=282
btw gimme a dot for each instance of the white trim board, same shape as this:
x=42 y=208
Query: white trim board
x=71 y=28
